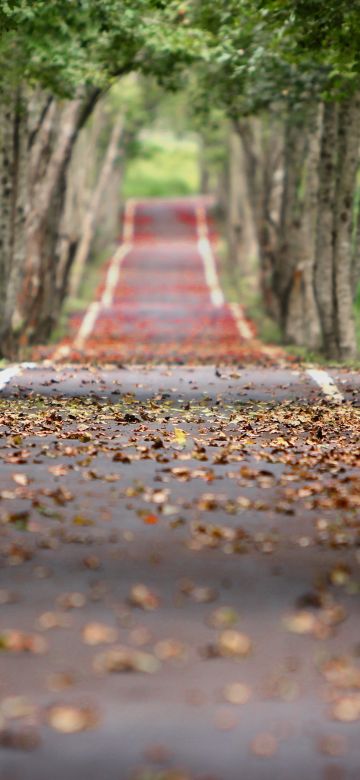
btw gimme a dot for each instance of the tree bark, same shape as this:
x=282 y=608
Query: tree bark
x=12 y=213
x=347 y=166
x=300 y=319
x=89 y=224
x=324 y=271
x=37 y=137
x=261 y=143
x=241 y=232
x=355 y=260
x=287 y=277
x=51 y=157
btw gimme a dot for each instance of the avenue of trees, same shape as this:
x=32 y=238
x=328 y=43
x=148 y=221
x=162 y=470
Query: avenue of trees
x=284 y=73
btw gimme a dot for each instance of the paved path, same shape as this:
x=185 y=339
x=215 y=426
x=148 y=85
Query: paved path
x=232 y=498
x=160 y=298
x=179 y=560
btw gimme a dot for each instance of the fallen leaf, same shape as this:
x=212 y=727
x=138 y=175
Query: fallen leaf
x=99 y=633
x=234 y=644
x=70 y=719
x=125 y=659
x=237 y=693
x=141 y=596
x=347 y=708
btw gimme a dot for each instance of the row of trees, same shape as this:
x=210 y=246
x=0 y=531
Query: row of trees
x=285 y=73
x=57 y=62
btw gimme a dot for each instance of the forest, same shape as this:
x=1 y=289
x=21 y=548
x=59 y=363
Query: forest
x=271 y=90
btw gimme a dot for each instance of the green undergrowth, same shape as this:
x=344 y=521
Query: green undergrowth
x=164 y=166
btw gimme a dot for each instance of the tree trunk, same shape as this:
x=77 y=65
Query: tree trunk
x=37 y=138
x=347 y=166
x=53 y=154
x=88 y=227
x=7 y=152
x=325 y=228
x=300 y=319
x=287 y=277
x=12 y=214
x=355 y=260
x=261 y=143
x=241 y=231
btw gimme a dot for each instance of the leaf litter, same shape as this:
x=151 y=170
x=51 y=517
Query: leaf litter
x=239 y=465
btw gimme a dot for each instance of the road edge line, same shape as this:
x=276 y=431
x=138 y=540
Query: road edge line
x=241 y=323
x=7 y=374
x=326 y=384
x=112 y=278
x=207 y=256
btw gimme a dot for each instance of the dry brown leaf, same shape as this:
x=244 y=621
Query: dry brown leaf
x=234 y=644
x=347 y=708
x=237 y=693
x=125 y=659
x=141 y=596
x=70 y=719
x=98 y=634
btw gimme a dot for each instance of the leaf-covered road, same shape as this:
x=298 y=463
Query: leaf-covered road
x=160 y=299
x=179 y=575
x=179 y=559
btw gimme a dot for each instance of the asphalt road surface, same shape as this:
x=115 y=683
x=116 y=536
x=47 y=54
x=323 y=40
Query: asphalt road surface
x=179 y=594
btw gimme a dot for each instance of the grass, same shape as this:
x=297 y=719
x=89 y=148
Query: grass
x=165 y=166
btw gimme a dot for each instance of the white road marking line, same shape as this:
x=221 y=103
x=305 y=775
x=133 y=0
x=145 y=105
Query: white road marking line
x=242 y=325
x=326 y=384
x=212 y=279
x=207 y=255
x=113 y=274
x=7 y=374
x=112 y=279
x=87 y=324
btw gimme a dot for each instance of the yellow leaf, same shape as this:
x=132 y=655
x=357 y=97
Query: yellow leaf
x=180 y=436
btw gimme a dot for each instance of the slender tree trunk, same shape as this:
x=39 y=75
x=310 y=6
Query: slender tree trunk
x=89 y=224
x=347 y=166
x=241 y=228
x=287 y=277
x=355 y=260
x=13 y=201
x=311 y=320
x=324 y=272
x=41 y=282
x=260 y=145
x=300 y=319
x=7 y=150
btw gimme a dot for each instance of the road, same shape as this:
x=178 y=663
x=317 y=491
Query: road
x=179 y=563
x=160 y=299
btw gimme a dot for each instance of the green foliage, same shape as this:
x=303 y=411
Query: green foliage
x=63 y=44
x=162 y=165
x=275 y=53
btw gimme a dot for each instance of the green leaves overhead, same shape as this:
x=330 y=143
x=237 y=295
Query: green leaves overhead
x=248 y=53
x=261 y=53
x=63 y=43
